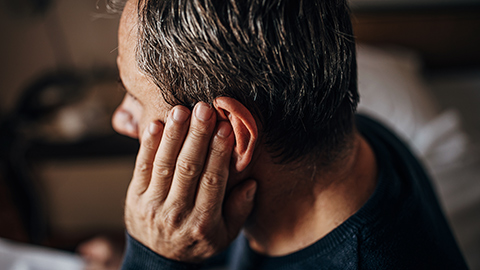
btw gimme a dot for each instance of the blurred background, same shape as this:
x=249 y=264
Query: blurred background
x=64 y=172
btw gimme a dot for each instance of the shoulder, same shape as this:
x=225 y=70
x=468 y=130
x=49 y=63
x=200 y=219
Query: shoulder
x=409 y=230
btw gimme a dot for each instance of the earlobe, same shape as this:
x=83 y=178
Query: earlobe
x=244 y=127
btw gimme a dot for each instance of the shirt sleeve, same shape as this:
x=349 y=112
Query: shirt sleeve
x=139 y=257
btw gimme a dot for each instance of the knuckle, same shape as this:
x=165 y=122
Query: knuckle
x=149 y=144
x=204 y=212
x=172 y=135
x=200 y=231
x=143 y=167
x=219 y=150
x=147 y=213
x=150 y=210
x=163 y=171
x=212 y=180
x=172 y=221
x=173 y=218
x=188 y=168
x=200 y=132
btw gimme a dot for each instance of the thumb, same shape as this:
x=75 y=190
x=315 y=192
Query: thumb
x=238 y=206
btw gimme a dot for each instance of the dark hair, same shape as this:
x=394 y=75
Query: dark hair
x=290 y=62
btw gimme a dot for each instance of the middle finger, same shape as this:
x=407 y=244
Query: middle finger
x=192 y=156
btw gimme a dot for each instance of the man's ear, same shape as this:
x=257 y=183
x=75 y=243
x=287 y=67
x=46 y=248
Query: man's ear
x=244 y=127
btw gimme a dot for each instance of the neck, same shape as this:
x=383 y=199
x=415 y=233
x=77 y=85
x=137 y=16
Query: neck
x=297 y=207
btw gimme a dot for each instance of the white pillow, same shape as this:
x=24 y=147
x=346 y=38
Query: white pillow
x=393 y=91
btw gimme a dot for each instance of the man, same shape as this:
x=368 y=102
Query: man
x=271 y=145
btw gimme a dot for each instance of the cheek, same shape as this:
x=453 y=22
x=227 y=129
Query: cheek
x=126 y=119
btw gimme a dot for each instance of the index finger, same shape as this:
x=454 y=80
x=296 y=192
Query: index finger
x=146 y=154
x=166 y=157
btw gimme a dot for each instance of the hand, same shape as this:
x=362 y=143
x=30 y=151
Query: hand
x=175 y=202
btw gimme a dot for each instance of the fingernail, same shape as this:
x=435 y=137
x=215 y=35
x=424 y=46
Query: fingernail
x=180 y=115
x=154 y=128
x=224 y=129
x=251 y=193
x=203 y=111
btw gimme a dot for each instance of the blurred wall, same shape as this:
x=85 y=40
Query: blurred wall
x=443 y=32
x=70 y=33
x=82 y=194
x=410 y=3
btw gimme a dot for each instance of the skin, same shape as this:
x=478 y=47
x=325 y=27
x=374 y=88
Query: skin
x=192 y=188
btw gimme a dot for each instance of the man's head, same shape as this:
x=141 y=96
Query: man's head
x=291 y=63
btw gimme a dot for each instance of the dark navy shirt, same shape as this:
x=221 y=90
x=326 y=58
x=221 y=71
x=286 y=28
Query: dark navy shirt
x=400 y=227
